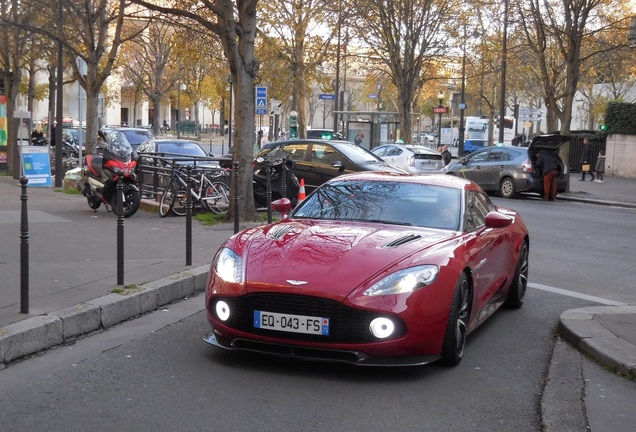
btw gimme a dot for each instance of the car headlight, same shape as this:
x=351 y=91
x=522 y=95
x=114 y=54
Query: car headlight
x=229 y=266
x=404 y=281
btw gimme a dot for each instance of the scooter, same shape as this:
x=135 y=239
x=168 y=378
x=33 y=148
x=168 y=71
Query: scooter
x=100 y=174
x=278 y=167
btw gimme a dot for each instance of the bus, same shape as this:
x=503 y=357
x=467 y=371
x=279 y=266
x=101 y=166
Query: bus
x=477 y=128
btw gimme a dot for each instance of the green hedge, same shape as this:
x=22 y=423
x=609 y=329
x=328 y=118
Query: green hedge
x=620 y=118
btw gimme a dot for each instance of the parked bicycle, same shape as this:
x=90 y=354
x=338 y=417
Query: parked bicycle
x=209 y=189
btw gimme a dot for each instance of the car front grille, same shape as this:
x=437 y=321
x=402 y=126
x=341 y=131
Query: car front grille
x=346 y=324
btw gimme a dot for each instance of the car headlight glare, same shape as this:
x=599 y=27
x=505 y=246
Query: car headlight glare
x=382 y=328
x=229 y=266
x=222 y=310
x=404 y=281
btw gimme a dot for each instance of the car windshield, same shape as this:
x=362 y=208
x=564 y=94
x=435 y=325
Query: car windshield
x=398 y=203
x=358 y=154
x=183 y=148
x=136 y=137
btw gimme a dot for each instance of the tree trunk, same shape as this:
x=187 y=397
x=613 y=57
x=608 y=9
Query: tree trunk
x=11 y=85
x=156 y=113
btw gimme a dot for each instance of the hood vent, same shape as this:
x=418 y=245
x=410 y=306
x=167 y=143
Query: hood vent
x=277 y=232
x=403 y=240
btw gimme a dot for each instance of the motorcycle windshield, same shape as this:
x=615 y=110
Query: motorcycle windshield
x=119 y=146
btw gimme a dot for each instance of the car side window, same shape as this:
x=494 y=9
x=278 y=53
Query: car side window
x=323 y=154
x=296 y=151
x=478 y=205
x=498 y=155
x=478 y=157
x=393 y=151
x=380 y=151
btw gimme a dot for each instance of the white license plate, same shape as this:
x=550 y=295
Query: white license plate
x=291 y=323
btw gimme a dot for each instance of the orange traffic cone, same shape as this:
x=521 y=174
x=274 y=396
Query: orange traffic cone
x=301 y=191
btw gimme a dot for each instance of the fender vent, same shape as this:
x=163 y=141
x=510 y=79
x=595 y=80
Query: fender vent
x=278 y=232
x=403 y=240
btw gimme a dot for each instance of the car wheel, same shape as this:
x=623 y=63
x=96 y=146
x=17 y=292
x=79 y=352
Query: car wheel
x=517 y=291
x=457 y=326
x=507 y=188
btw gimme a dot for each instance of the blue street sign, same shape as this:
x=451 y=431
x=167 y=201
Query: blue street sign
x=261 y=105
x=261 y=111
x=261 y=92
x=327 y=96
x=373 y=96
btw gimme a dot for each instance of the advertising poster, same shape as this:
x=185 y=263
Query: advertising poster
x=4 y=132
x=36 y=165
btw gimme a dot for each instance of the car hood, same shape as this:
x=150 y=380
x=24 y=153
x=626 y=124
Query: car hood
x=548 y=142
x=308 y=256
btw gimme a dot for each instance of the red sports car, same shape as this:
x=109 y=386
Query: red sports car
x=370 y=269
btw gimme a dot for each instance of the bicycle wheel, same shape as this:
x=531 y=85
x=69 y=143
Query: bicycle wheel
x=167 y=197
x=216 y=197
x=180 y=201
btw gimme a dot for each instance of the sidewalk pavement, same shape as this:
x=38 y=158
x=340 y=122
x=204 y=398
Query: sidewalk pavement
x=73 y=272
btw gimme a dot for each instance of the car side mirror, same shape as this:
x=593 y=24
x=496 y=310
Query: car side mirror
x=498 y=220
x=282 y=206
x=339 y=165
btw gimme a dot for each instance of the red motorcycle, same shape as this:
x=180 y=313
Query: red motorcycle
x=100 y=174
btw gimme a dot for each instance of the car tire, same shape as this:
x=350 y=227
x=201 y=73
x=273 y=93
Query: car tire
x=457 y=326
x=517 y=291
x=507 y=188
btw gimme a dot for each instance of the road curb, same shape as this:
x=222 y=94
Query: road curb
x=42 y=332
x=579 y=328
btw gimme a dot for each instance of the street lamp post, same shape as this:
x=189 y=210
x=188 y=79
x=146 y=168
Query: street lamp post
x=229 y=121
x=440 y=97
x=504 y=54
x=181 y=88
x=462 y=104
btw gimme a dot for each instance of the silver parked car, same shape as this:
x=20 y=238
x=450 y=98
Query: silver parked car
x=412 y=158
x=509 y=170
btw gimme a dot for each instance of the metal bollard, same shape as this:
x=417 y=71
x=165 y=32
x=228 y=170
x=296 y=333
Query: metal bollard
x=236 y=196
x=24 y=249
x=284 y=179
x=268 y=189
x=120 y=230
x=189 y=215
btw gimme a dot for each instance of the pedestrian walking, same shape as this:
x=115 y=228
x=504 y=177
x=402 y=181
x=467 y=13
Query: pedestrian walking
x=549 y=167
x=586 y=160
x=600 y=167
x=358 y=139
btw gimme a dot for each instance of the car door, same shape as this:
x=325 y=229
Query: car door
x=326 y=163
x=489 y=247
x=300 y=154
x=393 y=156
x=472 y=168
x=492 y=169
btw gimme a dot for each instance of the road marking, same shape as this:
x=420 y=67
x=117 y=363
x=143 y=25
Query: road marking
x=576 y=295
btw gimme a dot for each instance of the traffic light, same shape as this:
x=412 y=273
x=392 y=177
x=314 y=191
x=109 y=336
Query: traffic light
x=603 y=127
x=293 y=124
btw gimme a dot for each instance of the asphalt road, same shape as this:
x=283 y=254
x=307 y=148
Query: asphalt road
x=156 y=374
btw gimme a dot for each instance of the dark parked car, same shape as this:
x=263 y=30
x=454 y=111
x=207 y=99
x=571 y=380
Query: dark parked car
x=135 y=136
x=190 y=150
x=509 y=170
x=316 y=161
